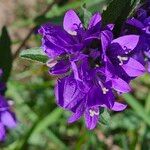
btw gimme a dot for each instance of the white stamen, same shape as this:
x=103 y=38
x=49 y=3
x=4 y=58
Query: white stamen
x=11 y=103
x=105 y=90
x=92 y=113
x=121 y=59
x=72 y=32
x=96 y=113
x=51 y=63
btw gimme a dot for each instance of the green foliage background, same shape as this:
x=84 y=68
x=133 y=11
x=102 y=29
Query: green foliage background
x=42 y=125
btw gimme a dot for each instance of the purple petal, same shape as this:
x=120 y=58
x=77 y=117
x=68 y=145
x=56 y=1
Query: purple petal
x=2 y=132
x=110 y=26
x=84 y=86
x=96 y=97
x=148 y=68
x=2 y=86
x=60 y=68
x=78 y=114
x=120 y=85
x=71 y=22
x=136 y=23
x=8 y=119
x=50 y=49
x=118 y=107
x=76 y=71
x=106 y=38
x=91 y=117
x=133 y=68
x=80 y=70
x=3 y=103
x=56 y=34
x=59 y=90
x=55 y=40
x=67 y=93
x=60 y=39
x=127 y=41
x=91 y=37
x=95 y=19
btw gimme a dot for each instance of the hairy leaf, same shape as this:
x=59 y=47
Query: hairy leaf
x=35 y=54
x=86 y=15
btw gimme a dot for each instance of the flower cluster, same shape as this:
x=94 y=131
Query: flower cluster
x=7 y=117
x=90 y=64
x=140 y=25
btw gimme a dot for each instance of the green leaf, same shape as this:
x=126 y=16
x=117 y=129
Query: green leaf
x=39 y=126
x=117 y=12
x=86 y=15
x=56 y=139
x=5 y=54
x=35 y=54
x=48 y=120
x=105 y=117
x=56 y=14
x=126 y=120
x=113 y=11
x=135 y=4
x=137 y=107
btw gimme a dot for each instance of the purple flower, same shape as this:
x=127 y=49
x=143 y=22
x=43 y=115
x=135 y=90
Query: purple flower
x=90 y=64
x=70 y=95
x=140 y=25
x=92 y=114
x=120 y=55
x=7 y=117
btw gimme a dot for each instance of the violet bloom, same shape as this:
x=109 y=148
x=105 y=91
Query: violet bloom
x=90 y=65
x=120 y=56
x=72 y=95
x=64 y=44
x=140 y=24
x=7 y=117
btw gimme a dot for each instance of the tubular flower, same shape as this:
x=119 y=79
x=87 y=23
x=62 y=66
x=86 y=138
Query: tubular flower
x=90 y=64
x=7 y=117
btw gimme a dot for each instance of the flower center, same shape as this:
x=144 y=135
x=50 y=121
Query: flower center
x=105 y=90
x=122 y=59
x=93 y=113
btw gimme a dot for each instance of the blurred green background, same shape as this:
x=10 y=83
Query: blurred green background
x=42 y=125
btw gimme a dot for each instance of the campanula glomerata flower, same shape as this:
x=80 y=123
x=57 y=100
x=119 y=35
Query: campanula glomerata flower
x=90 y=65
x=7 y=117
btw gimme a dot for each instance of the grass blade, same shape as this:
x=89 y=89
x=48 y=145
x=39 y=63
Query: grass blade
x=137 y=107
